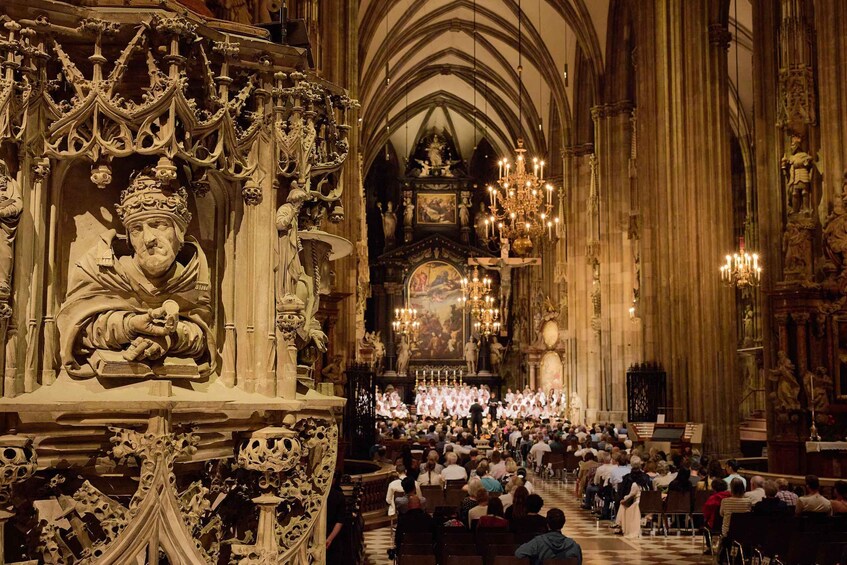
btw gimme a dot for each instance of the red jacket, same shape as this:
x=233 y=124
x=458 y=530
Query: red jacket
x=712 y=507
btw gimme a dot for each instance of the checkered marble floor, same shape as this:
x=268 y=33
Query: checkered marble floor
x=600 y=546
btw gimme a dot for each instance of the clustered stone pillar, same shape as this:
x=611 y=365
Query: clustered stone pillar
x=685 y=193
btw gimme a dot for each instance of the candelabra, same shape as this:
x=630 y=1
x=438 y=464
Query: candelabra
x=406 y=322
x=489 y=319
x=474 y=291
x=741 y=268
x=521 y=203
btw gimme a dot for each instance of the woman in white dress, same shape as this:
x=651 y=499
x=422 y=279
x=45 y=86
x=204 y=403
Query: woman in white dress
x=629 y=513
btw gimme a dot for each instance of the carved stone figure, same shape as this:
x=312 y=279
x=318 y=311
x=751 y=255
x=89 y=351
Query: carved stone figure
x=434 y=152
x=817 y=386
x=389 y=222
x=787 y=389
x=404 y=353
x=495 y=353
x=797 y=168
x=835 y=238
x=797 y=246
x=291 y=277
x=140 y=305
x=471 y=353
x=334 y=373
x=408 y=211
x=379 y=351
x=11 y=207
x=748 y=326
x=575 y=412
x=464 y=212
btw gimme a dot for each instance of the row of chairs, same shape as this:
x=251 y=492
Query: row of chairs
x=686 y=504
x=804 y=540
x=494 y=546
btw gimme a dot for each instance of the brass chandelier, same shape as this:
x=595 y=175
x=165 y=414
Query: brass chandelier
x=521 y=203
x=488 y=322
x=741 y=268
x=406 y=322
x=475 y=290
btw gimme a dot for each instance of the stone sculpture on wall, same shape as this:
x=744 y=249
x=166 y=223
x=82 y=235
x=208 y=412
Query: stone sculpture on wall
x=817 y=386
x=140 y=305
x=404 y=353
x=797 y=167
x=389 y=223
x=786 y=390
x=835 y=239
x=471 y=353
x=11 y=207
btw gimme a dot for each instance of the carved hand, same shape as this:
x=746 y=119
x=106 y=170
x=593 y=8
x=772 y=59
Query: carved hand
x=319 y=338
x=147 y=348
x=156 y=322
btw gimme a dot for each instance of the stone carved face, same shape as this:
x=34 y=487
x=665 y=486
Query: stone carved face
x=156 y=242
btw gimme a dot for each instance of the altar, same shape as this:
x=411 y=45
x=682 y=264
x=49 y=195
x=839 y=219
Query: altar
x=826 y=458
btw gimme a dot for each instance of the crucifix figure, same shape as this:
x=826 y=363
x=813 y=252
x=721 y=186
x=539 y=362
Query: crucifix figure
x=504 y=265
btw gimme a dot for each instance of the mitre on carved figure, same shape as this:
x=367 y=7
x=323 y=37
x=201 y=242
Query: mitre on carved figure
x=139 y=305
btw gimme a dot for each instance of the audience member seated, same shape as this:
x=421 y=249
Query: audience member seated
x=517 y=507
x=488 y=482
x=587 y=466
x=537 y=451
x=711 y=509
x=731 y=469
x=453 y=472
x=813 y=502
x=414 y=519
x=494 y=517
x=498 y=466
x=786 y=494
x=410 y=487
x=470 y=466
x=757 y=490
x=395 y=487
x=481 y=508
x=469 y=502
x=736 y=503
x=664 y=478
x=682 y=481
x=839 y=505
x=430 y=475
x=508 y=498
x=551 y=545
x=770 y=505
x=433 y=456
x=533 y=522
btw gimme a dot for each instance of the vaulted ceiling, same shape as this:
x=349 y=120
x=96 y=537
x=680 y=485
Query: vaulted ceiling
x=452 y=65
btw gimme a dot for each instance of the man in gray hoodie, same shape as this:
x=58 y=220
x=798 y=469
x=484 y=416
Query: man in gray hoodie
x=552 y=545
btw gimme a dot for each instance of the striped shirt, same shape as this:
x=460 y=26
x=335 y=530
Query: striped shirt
x=733 y=505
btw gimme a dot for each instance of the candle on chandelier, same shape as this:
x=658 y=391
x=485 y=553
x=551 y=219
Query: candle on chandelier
x=542 y=171
x=487 y=233
x=500 y=166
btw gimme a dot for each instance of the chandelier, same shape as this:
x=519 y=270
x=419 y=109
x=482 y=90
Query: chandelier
x=741 y=268
x=474 y=292
x=521 y=203
x=406 y=322
x=489 y=319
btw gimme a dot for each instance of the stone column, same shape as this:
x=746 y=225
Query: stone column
x=684 y=172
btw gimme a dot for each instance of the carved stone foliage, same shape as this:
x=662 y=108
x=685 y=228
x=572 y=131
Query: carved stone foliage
x=186 y=517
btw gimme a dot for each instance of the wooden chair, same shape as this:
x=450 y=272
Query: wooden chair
x=498 y=550
x=414 y=548
x=417 y=537
x=677 y=503
x=570 y=561
x=434 y=496
x=454 y=496
x=651 y=503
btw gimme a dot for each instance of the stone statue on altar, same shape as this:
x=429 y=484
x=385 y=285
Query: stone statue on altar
x=797 y=169
x=787 y=389
x=408 y=211
x=11 y=206
x=404 y=353
x=389 y=222
x=464 y=212
x=575 y=409
x=471 y=353
x=139 y=305
x=495 y=354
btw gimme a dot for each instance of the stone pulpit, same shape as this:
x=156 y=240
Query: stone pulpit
x=168 y=183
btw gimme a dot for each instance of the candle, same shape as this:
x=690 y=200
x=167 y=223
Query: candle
x=542 y=170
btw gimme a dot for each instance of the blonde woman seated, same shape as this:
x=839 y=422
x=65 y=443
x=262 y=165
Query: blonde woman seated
x=430 y=474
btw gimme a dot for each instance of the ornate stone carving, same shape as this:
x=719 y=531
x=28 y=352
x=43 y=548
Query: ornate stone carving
x=18 y=462
x=290 y=316
x=334 y=373
x=785 y=395
x=11 y=207
x=471 y=354
x=797 y=167
x=389 y=223
x=797 y=247
x=835 y=240
x=139 y=306
x=817 y=386
x=404 y=353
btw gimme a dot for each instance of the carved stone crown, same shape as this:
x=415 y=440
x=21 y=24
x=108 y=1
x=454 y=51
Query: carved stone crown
x=147 y=196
